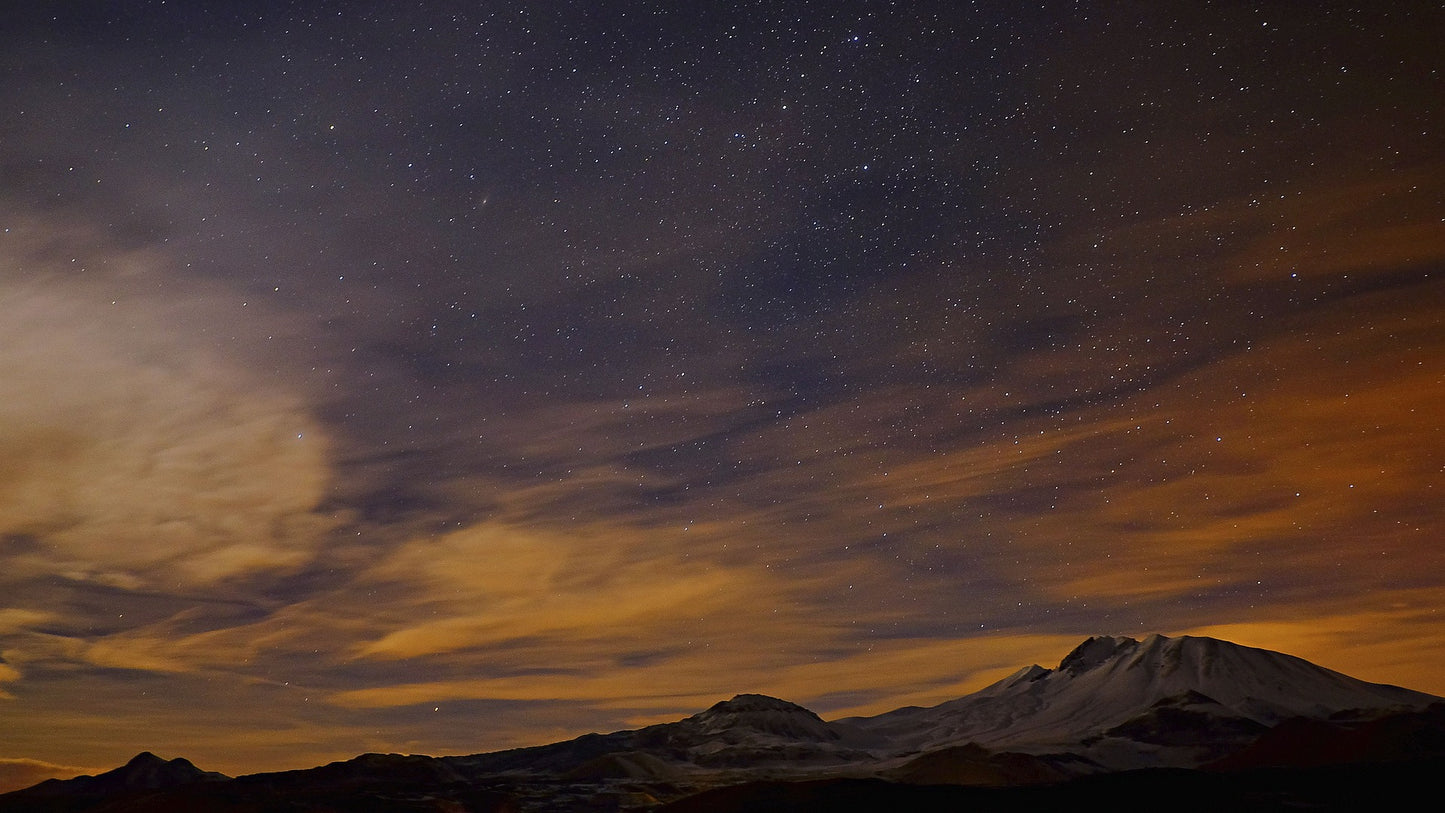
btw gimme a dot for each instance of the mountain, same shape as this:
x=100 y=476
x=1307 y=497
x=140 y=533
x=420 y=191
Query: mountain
x=1352 y=789
x=1128 y=703
x=371 y=782
x=1206 y=718
x=976 y=766
x=145 y=771
x=1344 y=740
x=144 y=775
x=747 y=732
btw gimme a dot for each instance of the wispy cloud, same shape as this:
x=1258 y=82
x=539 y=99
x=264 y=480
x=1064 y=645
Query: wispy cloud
x=135 y=451
x=22 y=773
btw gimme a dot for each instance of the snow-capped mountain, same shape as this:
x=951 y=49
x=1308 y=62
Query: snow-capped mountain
x=1124 y=699
x=1113 y=703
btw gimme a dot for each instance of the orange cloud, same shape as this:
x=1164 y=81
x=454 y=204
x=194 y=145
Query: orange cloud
x=129 y=443
x=1363 y=227
x=1366 y=224
x=22 y=773
x=921 y=671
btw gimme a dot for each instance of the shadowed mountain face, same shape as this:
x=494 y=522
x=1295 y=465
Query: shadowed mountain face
x=976 y=766
x=1355 y=789
x=145 y=771
x=1189 y=719
x=1411 y=735
x=145 y=776
x=1112 y=705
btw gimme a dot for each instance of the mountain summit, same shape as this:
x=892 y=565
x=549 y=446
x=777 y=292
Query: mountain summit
x=1108 y=689
x=145 y=771
x=766 y=716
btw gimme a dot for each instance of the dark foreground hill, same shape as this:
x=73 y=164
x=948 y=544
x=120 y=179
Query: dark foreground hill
x=1184 y=723
x=1340 y=789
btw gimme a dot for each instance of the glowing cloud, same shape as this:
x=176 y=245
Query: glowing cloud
x=134 y=452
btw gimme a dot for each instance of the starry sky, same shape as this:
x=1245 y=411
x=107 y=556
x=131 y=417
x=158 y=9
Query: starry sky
x=442 y=377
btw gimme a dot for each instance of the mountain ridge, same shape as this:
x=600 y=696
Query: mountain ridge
x=1112 y=704
x=143 y=772
x=1107 y=681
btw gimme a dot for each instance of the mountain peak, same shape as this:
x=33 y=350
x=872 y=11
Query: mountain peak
x=748 y=703
x=1097 y=650
x=1129 y=692
x=764 y=715
x=144 y=771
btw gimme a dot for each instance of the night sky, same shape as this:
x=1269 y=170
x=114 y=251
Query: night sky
x=452 y=376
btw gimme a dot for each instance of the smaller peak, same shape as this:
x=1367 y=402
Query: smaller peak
x=1028 y=674
x=760 y=714
x=146 y=770
x=743 y=703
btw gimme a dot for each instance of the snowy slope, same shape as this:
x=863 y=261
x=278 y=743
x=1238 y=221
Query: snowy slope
x=1107 y=683
x=1116 y=702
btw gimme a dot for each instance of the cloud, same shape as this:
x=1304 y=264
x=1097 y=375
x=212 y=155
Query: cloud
x=577 y=584
x=1326 y=452
x=689 y=678
x=656 y=621
x=136 y=447
x=14 y=619
x=8 y=674
x=22 y=773
x=1358 y=223
x=1368 y=226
